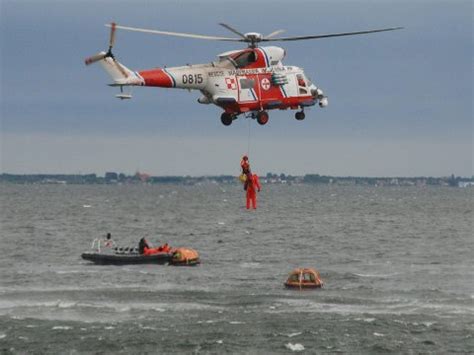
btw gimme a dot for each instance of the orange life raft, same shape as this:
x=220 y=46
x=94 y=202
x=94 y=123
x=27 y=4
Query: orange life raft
x=304 y=278
x=185 y=256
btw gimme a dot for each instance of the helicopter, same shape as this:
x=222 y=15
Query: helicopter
x=249 y=81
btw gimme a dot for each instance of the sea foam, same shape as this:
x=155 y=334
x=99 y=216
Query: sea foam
x=294 y=347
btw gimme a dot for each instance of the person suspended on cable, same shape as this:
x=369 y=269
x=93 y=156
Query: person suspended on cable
x=252 y=185
x=245 y=165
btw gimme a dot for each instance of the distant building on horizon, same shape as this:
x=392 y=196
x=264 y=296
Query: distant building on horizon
x=111 y=177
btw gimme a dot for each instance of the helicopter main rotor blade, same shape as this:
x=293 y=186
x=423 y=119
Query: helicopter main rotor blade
x=274 y=33
x=298 y=38
x=112 y=35
x=177 y=34
x=231 y=29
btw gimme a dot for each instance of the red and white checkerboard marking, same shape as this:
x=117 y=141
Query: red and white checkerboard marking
x=231 y=83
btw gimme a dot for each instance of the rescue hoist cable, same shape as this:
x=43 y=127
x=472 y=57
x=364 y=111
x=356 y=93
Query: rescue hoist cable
x=248 y=139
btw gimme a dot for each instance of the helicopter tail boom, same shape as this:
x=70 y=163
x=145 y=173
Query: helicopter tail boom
x=119 y=73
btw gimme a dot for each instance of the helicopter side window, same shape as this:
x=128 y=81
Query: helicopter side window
x=247 y=83
x=245 y=58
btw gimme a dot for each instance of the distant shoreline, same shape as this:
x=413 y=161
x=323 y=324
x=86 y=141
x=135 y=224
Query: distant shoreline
x=112 y=178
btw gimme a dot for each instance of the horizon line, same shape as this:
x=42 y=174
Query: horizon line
x=236 y=175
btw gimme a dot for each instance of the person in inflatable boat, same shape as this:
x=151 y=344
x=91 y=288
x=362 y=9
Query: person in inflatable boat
x=145 y=249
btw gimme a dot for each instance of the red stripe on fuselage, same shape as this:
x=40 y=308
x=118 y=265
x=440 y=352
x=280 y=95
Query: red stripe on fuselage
x=156 y=77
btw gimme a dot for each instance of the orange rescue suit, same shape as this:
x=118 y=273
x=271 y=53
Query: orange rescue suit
x=161 y=249
x=251 y=184
x=151 y=251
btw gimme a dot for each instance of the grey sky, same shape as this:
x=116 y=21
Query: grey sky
x=400 y=102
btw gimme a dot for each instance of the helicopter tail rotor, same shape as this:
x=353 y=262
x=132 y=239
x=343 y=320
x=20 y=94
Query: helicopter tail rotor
x=95 y=58
x=102 y=55
x=121 y=75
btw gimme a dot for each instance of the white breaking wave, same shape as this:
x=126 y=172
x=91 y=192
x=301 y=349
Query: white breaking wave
x=80 y=271
x=375 y=275
x=291 y=335
x=6 y=307
x=407 y=307
x=250 y=265
x=104 y=287
x=294 y=347
x=367 y=320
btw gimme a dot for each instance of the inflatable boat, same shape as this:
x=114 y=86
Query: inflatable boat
x=127 y=256
x=118 y=258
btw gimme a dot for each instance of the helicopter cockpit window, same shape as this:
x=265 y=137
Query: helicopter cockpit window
x=301 y=81
x=244 y=59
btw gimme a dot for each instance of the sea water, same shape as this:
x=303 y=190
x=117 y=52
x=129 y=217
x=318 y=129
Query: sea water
x=397 y=263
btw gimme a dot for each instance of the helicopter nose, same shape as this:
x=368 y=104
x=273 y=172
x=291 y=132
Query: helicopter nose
x=315 y=92
x=318 y=94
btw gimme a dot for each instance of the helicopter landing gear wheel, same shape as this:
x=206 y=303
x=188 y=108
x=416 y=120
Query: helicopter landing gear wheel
x=262 y=117
x=300 y=115
x=227 y=118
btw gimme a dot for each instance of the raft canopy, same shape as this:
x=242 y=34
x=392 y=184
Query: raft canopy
x=304 y=277
x=185 y=256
